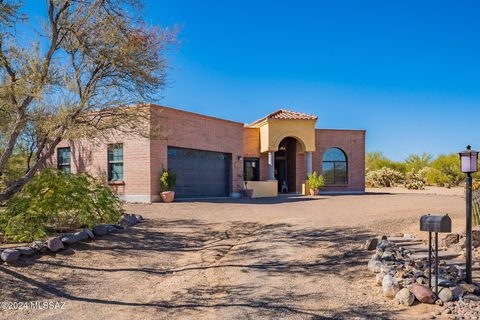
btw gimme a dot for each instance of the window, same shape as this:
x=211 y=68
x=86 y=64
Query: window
x=115 y=162
x=335 y=167
x=63 y=159
x=251 y=169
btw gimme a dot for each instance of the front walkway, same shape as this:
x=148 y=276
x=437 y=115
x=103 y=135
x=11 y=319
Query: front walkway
x=296 y=259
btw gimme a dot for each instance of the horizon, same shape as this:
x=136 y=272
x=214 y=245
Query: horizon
x=405 y=72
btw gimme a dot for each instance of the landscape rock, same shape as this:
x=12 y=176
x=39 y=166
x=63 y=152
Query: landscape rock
x=375 y=265
x=371 y=244
x=113 y=228
x=422 y=293
x=379 y=279
x=69 y=238
x=390 y=286
x=383 y=244
x=405 y=297
x=89 y=233
x=471 y=297
x=55 y=244
x=10 y=255
x=458 y=292
x=470 y=288
x=445 y=295
x=100 y=230
x=81 y=235
x=38 y=246
x=140 y=218
x=25 y=251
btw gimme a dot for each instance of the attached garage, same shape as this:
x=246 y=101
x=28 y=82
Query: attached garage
x=200 y=173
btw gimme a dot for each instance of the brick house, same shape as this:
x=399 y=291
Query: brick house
x=216 y=158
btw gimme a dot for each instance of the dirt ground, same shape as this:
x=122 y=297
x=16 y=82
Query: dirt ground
x=284 y=258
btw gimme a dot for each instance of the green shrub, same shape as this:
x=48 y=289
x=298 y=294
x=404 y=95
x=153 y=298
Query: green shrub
x=416 y=162
x=416 y=180
x=384 y=177
x=167 y=180
x=445 y=171
x=315 y=181
x=57 y=200
x=376 y=161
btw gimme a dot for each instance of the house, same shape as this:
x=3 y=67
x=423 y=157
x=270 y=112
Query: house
x=213 y=157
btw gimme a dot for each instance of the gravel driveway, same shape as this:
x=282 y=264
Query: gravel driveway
x=289 y=258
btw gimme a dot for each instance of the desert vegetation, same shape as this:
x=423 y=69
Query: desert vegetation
x=415 y=172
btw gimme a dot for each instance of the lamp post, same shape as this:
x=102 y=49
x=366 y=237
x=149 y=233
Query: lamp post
x=469 y=161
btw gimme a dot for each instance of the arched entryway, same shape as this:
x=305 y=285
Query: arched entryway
x=285 y=165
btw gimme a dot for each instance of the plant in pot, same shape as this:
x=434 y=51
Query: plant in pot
x=167 y=182
x=247 y=193
x=315 y=182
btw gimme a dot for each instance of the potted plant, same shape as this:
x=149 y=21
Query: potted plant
x=167 y=182
x=247 y=193
x=315 y=182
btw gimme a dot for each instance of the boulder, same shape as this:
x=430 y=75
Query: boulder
x=25 y=251
x=38 y=246
x=388 y=269
x=423 y=293
x=100 y=230
x=69 y=238
x=140 y=218
x=445 y=294
x=471 y=297
x=383 y=244
x=390 y=286
x=374 y=265
x=470 y=288
x=81 y=235
x=54 y=244
x=379 y=279
x=129 y=220
x=450 y=239
x=457 y=292
x=405 y=297
x=10 y=255
x=114 y=228
x=371 y=244
x=89 y=233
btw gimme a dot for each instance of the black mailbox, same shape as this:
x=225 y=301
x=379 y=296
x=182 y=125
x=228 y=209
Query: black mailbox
x=433 y=223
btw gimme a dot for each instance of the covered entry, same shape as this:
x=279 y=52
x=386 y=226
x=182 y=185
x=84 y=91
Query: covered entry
x=200 y=173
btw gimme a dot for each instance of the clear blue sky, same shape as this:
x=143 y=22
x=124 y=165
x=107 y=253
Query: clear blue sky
x=406 y=71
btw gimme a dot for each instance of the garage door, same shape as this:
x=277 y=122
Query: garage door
x=200 y=173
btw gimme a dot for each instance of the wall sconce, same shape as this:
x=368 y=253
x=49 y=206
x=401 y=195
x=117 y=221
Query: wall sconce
x=240 y=158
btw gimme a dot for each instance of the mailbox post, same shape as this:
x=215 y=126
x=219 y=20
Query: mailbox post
x=435 y=224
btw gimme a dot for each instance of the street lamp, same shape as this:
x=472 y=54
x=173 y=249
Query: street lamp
x=469 y=161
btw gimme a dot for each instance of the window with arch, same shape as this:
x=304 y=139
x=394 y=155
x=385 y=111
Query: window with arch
x=335 y=166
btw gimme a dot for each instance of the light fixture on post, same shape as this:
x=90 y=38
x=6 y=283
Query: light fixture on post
x=469 y=165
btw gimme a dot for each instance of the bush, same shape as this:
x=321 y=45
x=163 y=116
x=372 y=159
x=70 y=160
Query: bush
x=384 y=177
x=416 y=180
x=57 y=200
x=376 y=161
x=445 y=171
x=167 y=181
x=315 y=181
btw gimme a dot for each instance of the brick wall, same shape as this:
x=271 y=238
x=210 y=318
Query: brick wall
x=352 y=142
x=177 y=128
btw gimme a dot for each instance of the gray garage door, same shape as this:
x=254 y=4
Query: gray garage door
x=200 y=173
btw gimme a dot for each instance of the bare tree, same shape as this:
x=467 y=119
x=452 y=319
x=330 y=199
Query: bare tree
x=90 y=60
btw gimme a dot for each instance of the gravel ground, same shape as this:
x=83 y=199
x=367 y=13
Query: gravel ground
x=288 y=258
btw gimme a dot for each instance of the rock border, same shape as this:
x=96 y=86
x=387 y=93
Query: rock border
x=405 y=280
x=55 y=244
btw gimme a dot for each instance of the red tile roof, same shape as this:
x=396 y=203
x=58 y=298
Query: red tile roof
x=287 y=115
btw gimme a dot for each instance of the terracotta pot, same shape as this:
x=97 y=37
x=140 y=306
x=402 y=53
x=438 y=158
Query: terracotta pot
x=314 y=192
x=167 y=196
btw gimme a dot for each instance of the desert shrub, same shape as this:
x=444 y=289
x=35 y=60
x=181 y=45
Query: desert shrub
x=315 y=181
x=445 y=171
x=384 y=177
x=54 y=199
x=376 y=161
x=416 y=180
x=167 y=180
x=417 y=162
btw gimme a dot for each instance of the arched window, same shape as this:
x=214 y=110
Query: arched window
x=335 y=166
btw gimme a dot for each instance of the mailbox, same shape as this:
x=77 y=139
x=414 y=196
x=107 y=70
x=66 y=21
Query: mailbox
x=434 y=223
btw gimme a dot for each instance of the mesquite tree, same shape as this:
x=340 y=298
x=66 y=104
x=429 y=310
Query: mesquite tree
x=79 y=74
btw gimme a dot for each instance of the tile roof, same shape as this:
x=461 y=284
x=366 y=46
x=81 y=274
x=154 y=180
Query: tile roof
x=287 y=115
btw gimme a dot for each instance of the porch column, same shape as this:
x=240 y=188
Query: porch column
x=271 y=165
x=309 y=157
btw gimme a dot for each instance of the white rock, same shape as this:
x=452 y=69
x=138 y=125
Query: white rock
x=390 y=286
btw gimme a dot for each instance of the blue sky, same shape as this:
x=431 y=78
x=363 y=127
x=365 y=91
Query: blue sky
x=406 y=71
